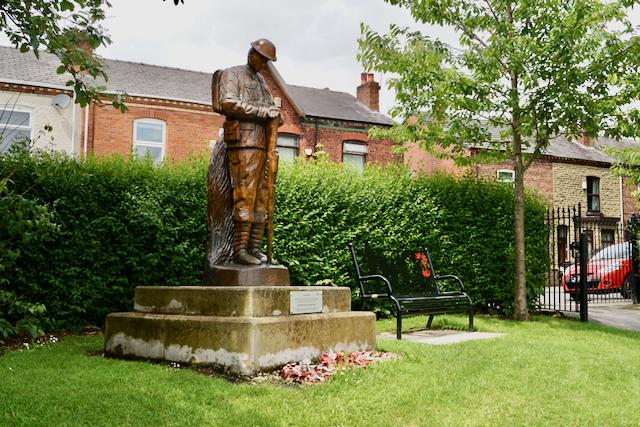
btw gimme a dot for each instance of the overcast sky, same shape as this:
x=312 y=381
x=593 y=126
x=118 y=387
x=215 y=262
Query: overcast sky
x=316 y=40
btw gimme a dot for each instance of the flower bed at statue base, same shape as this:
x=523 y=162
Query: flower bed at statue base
x=305 y=372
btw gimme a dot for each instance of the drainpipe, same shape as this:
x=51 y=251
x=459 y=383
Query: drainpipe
x=315 y=137
x=73 y=125
x=86 y=130
x=621 y=200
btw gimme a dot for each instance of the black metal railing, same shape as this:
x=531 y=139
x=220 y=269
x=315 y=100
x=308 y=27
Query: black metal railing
x=607 y=250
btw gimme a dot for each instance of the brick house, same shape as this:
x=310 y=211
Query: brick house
x=170 y=115
x=569 y=172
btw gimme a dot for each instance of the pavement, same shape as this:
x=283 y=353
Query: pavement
x=620 y=315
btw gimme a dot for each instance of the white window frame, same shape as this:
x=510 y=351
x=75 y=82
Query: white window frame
x=296 y=146
x=347 y=148
x=154 y=144
x=506 y=181
x=16 y=109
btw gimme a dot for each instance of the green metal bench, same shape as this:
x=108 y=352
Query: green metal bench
x=409 y=281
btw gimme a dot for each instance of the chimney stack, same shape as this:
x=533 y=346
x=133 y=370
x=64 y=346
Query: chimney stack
x=588 y=141
x=81 y=40
x=369 y=91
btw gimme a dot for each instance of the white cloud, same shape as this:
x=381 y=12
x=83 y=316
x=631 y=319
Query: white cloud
x=316 y=41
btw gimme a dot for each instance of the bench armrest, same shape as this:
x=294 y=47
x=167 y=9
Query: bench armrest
x=375 y=277
x=451 y=277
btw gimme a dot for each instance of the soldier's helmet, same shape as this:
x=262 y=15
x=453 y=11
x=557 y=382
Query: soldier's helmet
x=265 y=48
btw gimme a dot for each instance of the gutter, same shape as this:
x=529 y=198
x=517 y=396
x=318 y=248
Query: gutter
x=36 y=84
x=108 y=92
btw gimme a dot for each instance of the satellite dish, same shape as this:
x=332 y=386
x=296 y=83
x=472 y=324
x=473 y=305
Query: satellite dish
x=61 y=101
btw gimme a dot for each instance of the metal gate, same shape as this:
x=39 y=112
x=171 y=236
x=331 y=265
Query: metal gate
x=590 y=261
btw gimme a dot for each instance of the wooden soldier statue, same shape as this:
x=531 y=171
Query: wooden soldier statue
x=250 y=132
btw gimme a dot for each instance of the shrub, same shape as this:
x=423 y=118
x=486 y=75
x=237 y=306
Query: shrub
x=123 y=223
x=467 y=224
x=23 y=223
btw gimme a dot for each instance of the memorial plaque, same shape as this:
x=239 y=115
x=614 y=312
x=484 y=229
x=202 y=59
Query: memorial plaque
x=306 y=302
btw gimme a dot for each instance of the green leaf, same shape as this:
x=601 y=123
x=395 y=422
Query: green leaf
x=66 y=5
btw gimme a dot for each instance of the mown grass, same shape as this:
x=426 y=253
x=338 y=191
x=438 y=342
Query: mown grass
x=544 y=372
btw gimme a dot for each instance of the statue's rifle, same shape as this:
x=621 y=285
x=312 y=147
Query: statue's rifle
x=272 y=169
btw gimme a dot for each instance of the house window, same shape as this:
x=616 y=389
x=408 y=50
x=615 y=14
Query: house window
x=607 y=237
x=506 y=175
x=287 y=147
x=354 y=154
x=563 y=238
x=15 y=125
x=148 y=139
x=593 y=194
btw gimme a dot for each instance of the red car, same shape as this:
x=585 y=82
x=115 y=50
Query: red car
x=607 y=271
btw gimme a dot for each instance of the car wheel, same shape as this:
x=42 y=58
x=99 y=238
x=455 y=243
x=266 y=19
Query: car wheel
x=625 y=291
x=575 y=296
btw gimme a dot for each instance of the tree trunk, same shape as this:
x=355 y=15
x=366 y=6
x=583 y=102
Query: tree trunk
x=520 y=306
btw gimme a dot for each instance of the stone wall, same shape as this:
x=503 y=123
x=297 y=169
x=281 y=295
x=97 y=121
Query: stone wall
x=568 y=182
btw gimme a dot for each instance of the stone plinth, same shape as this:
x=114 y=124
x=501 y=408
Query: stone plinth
x=247 y=275
x=236 y=301
x=243 y=329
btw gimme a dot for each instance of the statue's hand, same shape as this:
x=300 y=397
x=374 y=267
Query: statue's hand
x=262 y=113
x=274 y=112
x=251 y=110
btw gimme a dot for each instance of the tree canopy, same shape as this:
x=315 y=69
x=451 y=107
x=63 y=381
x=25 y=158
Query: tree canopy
x=523 y=73
x=66 y=28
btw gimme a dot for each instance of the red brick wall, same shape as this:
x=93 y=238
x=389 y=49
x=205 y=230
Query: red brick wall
x=187 y=132
x=190 y=128
x=421 y=161
x=539 y=177
x=630 y=202
x=379 y=152
x=332 y=138
x=291 y=118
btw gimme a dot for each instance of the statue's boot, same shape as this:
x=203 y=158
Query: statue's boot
x=240 y=243
x=255 y=242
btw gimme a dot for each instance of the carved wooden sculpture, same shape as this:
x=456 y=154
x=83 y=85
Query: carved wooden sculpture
x=243 y=163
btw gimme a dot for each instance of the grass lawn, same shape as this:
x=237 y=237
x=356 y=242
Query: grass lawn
x=544 y=372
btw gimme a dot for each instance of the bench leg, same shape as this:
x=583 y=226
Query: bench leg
x=471 y=319
x=399 y=326
x=429 y=321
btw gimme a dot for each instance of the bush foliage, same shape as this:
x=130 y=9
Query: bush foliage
x=467 y=225
x=113 y=224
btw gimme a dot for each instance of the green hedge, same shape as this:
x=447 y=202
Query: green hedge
x=467 y=224
x=120 y=224
x=123 y=223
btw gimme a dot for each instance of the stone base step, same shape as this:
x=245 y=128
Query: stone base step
x=241 y=345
